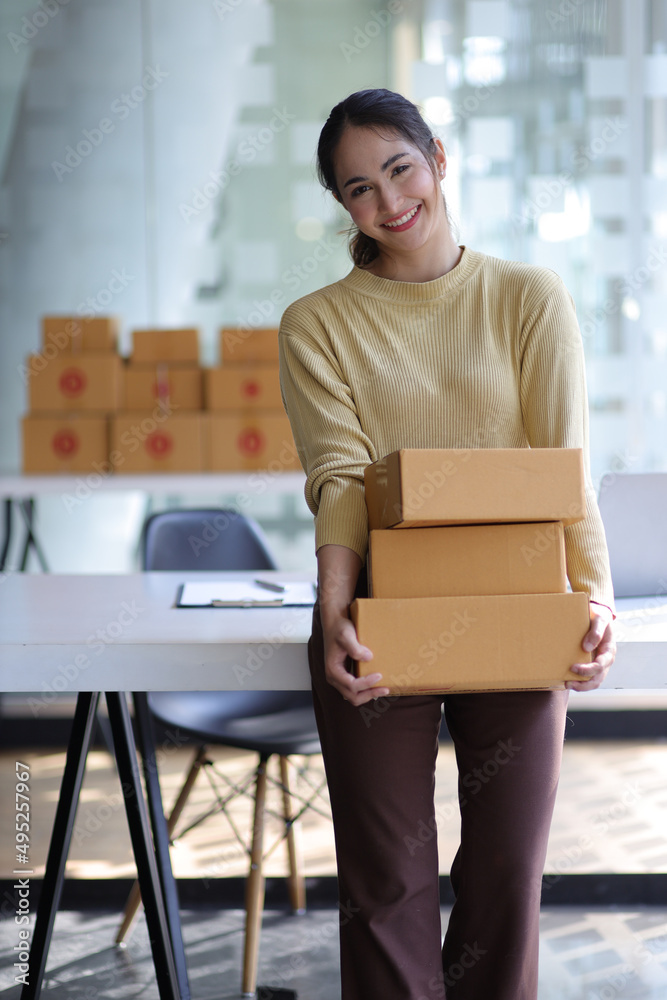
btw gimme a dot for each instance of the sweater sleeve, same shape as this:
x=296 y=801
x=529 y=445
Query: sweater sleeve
x=554 y=405
x=332 y=447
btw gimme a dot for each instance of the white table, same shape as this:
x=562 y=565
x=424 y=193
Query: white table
x=88 y=634
x=47 y=621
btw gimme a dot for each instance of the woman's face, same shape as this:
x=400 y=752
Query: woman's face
x=387 y=186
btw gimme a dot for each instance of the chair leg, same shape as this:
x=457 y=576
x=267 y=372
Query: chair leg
x=296 y=882
x=133 y=903
x=255 y=887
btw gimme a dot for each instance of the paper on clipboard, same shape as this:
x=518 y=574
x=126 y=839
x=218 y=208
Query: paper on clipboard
x=242 y=594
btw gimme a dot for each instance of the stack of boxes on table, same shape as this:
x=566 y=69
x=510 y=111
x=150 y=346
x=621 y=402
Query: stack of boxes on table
x=472 y=596
x=158 y=412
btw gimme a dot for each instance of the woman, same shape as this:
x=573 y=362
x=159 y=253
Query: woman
x=426 y=344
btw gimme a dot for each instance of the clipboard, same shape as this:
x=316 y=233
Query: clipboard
x=244 y=594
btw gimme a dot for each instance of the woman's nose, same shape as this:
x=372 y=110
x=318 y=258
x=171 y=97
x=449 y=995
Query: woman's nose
x=388 y=199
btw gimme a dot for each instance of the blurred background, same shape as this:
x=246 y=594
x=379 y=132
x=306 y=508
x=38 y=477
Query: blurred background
x=157 y=162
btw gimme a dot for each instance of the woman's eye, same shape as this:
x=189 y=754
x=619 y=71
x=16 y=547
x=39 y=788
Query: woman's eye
x=401 y=168
x=359 y=190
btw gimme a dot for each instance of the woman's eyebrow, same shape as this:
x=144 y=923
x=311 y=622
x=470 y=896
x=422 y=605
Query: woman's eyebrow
x=387 y=163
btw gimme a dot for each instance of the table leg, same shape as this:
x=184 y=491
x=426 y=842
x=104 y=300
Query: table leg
x=27 y=508
x=137 y=818
x=7 y=540
x=146 y=745
x=77 y=751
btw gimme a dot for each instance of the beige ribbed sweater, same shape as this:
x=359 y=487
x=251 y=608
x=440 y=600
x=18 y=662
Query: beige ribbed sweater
x=487 y=356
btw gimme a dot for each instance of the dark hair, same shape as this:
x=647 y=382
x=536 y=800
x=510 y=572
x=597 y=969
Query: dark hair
x=384 y=111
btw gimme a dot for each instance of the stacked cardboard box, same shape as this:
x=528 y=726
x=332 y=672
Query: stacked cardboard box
x=247 y=427
x=74 y=383
x=161 y=426
x=473 y=597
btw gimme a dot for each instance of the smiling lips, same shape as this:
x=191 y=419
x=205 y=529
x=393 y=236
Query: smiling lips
x=403 y=222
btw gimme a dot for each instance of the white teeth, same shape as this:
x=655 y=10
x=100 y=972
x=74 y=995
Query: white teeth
x=403 y=219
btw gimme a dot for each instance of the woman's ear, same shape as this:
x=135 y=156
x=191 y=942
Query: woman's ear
x=440 y=156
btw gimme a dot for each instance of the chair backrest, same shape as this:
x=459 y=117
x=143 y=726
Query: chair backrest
x=633 y=506
x=204 y=539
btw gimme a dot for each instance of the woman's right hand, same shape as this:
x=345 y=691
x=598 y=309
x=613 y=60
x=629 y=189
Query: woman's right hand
x=341 y=642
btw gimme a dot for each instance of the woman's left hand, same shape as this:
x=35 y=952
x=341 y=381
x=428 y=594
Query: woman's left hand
x=600 y=641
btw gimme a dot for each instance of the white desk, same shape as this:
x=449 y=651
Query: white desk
x=122 y=633
x=47 y=621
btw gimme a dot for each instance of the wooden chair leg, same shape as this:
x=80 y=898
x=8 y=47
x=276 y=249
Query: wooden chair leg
x=133 y=904
x=295 y=881
x=255 y=887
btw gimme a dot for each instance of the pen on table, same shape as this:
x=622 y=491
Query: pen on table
x=277 y=588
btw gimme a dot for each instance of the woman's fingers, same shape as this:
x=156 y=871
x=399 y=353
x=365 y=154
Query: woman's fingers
x=356 y=690
x=599 y=639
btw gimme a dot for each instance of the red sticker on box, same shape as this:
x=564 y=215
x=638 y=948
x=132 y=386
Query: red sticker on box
x=65 y=443
x=72 y=382
x=159 y=444
x=251 y=441
x=250 y=388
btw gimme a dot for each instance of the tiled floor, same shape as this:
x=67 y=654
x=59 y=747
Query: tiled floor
x=595 y=955
x=611 y=815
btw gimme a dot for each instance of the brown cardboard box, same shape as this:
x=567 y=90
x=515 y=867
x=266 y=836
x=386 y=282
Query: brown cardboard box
x=251 y=387
x=464 y=559
x=242 y=346
x=495 y=643
x=251 y=441
x=75 y=334
x=65 y=444
x=165 y=345
x=420 y=487
x=144 y=385
x=157 y=441
x=87 y=382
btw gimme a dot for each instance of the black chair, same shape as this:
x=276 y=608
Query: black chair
x=270 y=723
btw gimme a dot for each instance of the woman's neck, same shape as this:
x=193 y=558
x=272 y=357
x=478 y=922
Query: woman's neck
x=423 y=265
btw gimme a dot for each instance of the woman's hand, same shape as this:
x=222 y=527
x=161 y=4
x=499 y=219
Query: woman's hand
x=340 y=641
x=600 y=641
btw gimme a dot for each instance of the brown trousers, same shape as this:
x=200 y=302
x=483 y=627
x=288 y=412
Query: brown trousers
x=380 y=766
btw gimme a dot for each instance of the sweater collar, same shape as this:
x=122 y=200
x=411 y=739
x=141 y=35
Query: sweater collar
x=415 y=291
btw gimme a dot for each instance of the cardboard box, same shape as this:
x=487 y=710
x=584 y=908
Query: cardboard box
x=429 y=645
x=468 y=559
x=76 y=334
x=87 y=382
x=258 y=441
x=241 y=346
x=250 y=387
x=420 y=487
x=65 y=444
x=158 y=441
x=165 y=345
x=144 y=385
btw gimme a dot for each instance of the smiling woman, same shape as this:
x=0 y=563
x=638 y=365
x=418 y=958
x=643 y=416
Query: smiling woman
x=378 y=158
x=427 y=344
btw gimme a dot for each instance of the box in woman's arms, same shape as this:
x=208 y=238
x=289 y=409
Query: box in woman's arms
x=525 y=558
x=421 y=487
x=435 y=645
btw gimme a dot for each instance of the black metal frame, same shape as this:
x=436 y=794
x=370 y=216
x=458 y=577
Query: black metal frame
x=158 y=888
